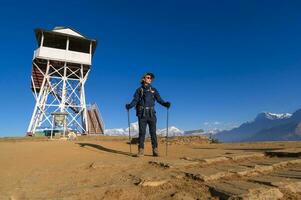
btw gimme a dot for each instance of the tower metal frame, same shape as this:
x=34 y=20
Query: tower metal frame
x=60 y=68
x=62 y=90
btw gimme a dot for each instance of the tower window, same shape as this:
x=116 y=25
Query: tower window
x=79 y=45
x=55 y=41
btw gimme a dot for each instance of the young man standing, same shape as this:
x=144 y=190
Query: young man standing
x=144 y=100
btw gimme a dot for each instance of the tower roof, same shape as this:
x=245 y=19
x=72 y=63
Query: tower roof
x=65 y=31
x=68 y=31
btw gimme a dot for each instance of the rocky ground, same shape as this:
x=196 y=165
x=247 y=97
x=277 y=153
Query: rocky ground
x=103 y=168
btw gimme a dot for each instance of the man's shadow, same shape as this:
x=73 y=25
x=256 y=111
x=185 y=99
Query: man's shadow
x=99 y=147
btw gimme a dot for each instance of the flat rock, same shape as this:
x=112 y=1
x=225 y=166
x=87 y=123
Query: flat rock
x=289 y=174
x=207 y=174
x=238 y=169
x=226 y=158
x=207 y=160
x=274 y=162
x=282 y=162
x=245 y=156
x=253 y=168
x=294 y=152
x=214 y=160
x=244 y=190
x=222 y=171
x=258 y=168
x=154 y=183
x=292 y=185
x=297 y=169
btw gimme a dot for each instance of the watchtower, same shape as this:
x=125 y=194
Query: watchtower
x=60 y=67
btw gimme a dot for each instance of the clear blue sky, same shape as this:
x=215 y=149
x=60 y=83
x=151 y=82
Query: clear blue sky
x=216 y=61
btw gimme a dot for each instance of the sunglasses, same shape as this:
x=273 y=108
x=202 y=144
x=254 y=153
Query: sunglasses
x=148 y=77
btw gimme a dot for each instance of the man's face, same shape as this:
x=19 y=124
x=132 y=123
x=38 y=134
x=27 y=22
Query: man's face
x=148 y=79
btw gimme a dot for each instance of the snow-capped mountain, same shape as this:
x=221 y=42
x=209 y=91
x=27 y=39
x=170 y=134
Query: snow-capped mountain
x=172 y=131
x=273 y=116
x=208 y=132
x=212 y=131
x=266 y=126
x=116 y=132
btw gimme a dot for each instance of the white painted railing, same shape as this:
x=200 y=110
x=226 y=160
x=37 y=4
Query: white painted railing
x=62 y=55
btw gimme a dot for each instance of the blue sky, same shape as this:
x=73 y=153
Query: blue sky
x=218 y=62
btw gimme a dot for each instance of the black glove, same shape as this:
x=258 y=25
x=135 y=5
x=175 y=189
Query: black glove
x=127 y=106
x=167 y=104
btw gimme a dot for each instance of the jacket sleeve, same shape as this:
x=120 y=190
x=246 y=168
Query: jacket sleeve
x=158 y=97
x=135 y=99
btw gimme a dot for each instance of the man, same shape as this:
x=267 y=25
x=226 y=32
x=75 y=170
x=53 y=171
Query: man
x=144 y=100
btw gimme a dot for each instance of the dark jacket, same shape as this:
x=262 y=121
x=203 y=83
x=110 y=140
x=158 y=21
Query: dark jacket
x=145 y=96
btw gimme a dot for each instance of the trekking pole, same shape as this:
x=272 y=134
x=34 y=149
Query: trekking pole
x=166 y=141
x=129 y=124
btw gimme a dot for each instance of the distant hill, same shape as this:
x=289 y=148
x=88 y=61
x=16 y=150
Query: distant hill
x=266 y=127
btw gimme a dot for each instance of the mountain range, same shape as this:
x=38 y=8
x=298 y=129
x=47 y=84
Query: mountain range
x=172 y=131
x=265 y=127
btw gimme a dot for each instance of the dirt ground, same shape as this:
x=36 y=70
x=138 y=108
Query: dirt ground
x=103 y=168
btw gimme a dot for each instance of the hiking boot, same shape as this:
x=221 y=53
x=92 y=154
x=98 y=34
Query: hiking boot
x=155 y=152
x=140 y=152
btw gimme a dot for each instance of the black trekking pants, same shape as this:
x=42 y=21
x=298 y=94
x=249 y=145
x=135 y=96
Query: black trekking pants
x=151 y=121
